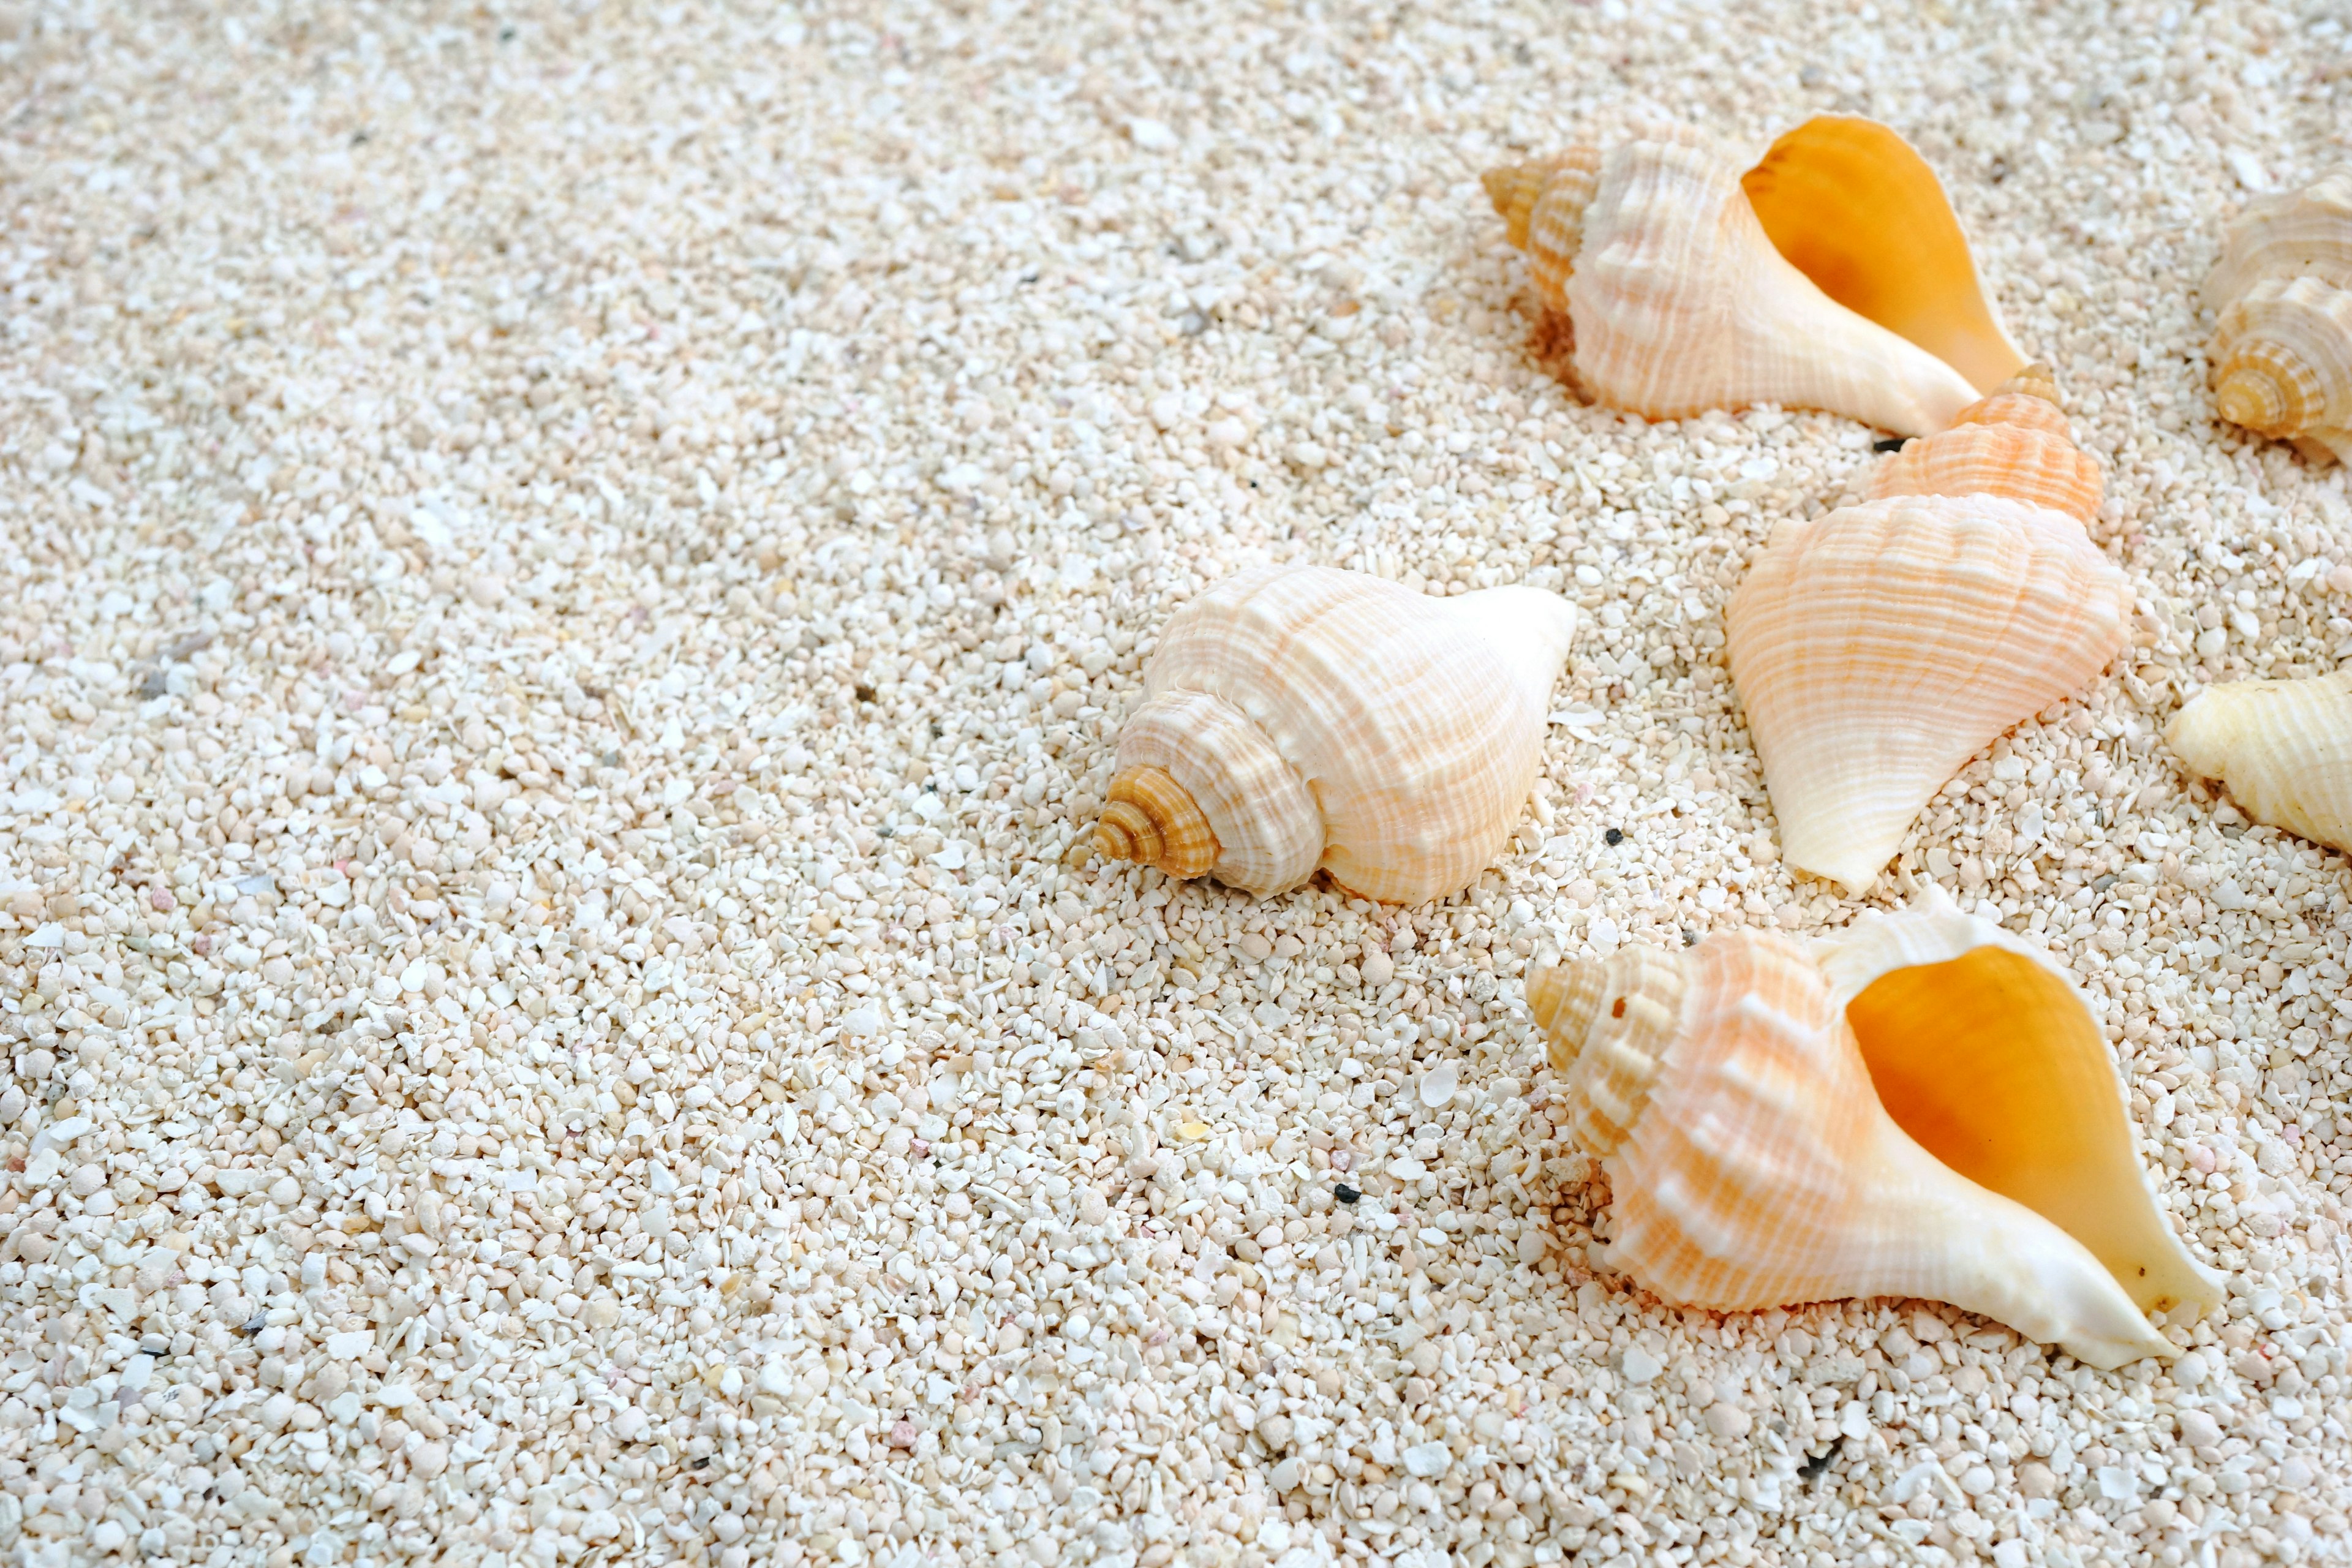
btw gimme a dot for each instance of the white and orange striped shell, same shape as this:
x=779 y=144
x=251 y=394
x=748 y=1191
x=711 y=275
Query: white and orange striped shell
x=1878 y=648
x=2283 y=748
x=1926 y=1110
x=2281 y=351
x=1830 y=275
x=1298 y=719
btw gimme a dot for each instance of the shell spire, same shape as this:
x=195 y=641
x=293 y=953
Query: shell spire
x=1691 y=286
x=2281 y=351
x=2283 y=748
x=2013 y=444
x=1541 y=204
x=1877 y=648
x=1151 y=818
x=1733 y=1097
x=1298 y=720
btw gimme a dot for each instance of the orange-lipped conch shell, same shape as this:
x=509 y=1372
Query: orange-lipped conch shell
x=1924 y=1109
x=2282 y=351
x=1878 y=648
x=2283 y=748
x=1830 y=275
x=1298 y=719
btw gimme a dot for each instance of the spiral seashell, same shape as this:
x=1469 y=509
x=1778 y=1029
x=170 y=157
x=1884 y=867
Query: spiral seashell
x=1542 y=206
x=2282 y=748
x=1298 y=719
x=1927 y=1110
x=2012 y=444
x=1814 y=280
x=1877 y=648
x=2282 y=350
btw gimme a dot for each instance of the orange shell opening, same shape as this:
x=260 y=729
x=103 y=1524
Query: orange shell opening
x=1990 y=1064
x=1854 y=207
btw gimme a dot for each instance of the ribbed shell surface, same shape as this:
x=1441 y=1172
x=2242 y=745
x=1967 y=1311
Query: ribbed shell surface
x=2283 y=748
x=1623 y=1016
x=2299 y=330
x=2296 y=234
x=1876 y=648
x=1734 y=1186
x=1761 y=1172
x=1681 y=304
x=1410 y=725
x=1542 y=206
x=2281 y=351
x=1994 y=460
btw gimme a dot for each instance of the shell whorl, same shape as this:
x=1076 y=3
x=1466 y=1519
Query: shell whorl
x=1206 y=777
x=1154 y=820
x=2267 y=388
x=2282 y=354
x=1610 y=1025
x=1542 y=204
x=2013 y=443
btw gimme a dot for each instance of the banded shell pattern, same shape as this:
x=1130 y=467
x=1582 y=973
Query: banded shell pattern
x=1298 y=719
x=2283 y=748
x=1925 y=1110
x=1878 y=648
x=2282 y=351
x=1691 y=287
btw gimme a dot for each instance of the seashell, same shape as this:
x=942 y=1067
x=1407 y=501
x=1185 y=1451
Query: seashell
x=2013 y=443
x=1927 y=1110
x=1878 y=648
x=1855 y=209
x=2283 y=748
x=1681 y=301
x=1298 y=719
x=2281 y=348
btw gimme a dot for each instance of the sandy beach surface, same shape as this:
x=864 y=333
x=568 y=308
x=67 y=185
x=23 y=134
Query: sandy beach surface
x=571 y=578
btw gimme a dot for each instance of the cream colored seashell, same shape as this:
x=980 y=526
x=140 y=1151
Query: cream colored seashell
x=1680 y=301
x=1542 y=207
x=2283 y=748
x=2012 y=444
x=1855 y=209
x=1298 y=719
x=1753 y=1161
x=2282 y=350
x=1876 y=648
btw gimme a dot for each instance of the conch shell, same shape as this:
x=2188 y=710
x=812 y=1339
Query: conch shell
x=1298 y=719
x=2282 y=747
x=1878 y=648
x=2282 y=350
x=1832 y=275
x=1927 y=1110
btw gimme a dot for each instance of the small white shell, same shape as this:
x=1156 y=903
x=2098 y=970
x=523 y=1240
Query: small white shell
x=1298 y=717
x=2282 y=747
x=2282 y=350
